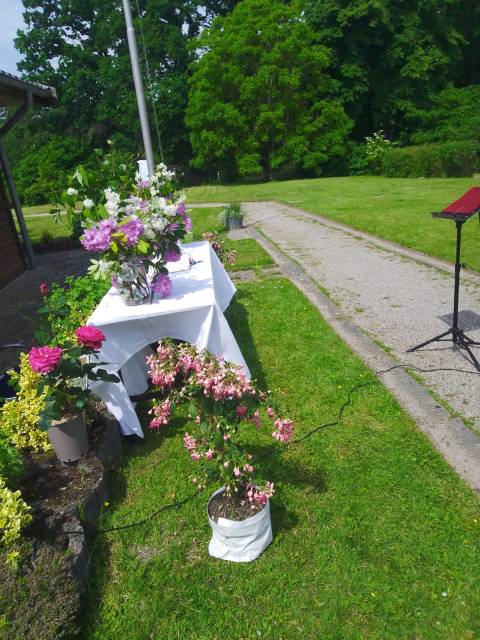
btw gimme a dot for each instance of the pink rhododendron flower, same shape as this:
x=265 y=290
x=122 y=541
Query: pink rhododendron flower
x=90 y=337
x=132 y=229
x=44 y=359
x=172 y=255
x=162 y=285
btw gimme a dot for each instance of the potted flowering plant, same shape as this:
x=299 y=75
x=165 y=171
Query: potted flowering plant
x=65 y=373
x=133 y=224
x=221 y=401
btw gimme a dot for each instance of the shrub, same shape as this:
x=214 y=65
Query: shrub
x=19 y=418
x=41 y=600
x=69 y=307
x=11 y=462
x=449 y=159
x=13 y=517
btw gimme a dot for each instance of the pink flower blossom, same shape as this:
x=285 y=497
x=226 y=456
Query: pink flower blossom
x=44 y=359
x=44 y=289
x=236 y=472
x=161 y=413
x=172 y=255
x=283 y=430
x=90 y=337
x=248 y=468
x=189 y=442
x=195 y=456
x=162 y=285
x=132 y=229
x=210 y=454
x=241 y=410
x=255 y=418
x=270 y=412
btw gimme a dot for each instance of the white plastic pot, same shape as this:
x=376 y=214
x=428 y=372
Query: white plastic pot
x=240 y=540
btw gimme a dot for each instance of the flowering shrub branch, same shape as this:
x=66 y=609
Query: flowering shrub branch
x=220 y=401
x=218 y=245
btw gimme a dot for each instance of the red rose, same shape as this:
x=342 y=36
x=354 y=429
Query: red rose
x=90 y=337
x=44 y=288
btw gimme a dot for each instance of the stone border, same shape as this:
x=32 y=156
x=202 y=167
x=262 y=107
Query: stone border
x=85 y=518
x=458 y=444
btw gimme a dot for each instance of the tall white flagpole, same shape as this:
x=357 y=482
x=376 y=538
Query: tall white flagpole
x=137 y=78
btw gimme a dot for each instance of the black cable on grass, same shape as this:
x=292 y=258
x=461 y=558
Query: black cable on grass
x=341 y=411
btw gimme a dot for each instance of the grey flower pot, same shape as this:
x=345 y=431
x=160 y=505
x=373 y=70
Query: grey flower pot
x=234 y=223
x=69 y=438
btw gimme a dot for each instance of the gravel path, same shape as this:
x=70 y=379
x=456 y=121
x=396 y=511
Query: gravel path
x=396 y=300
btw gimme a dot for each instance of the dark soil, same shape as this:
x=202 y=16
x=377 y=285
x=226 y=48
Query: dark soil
x=231 y=508
x=55 y=490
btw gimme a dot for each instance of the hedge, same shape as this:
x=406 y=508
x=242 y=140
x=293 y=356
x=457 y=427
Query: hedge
x=439 y=160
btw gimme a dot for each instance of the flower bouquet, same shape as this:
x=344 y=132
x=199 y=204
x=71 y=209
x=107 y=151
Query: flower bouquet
x=134 y=225
x=65 y=375
x=221 y=401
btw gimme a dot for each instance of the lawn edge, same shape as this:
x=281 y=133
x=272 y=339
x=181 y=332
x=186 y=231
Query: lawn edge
x=459 y=446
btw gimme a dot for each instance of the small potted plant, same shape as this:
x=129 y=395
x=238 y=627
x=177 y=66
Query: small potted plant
x=65 y=375
x=233 y=216
x=221 y=402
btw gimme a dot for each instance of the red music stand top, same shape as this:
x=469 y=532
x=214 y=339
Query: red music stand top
x=463 y=208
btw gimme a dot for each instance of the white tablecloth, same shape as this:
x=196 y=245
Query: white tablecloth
x=193 y=313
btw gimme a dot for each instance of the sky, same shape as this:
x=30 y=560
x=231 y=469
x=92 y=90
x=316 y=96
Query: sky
x=11 y=20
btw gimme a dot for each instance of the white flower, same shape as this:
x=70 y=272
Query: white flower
x=113 y=201
x=71 y=191
x=159 y=224
x=87 y=203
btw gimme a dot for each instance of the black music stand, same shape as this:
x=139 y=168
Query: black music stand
x=459 y=211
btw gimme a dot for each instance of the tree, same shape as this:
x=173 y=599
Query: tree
x=80 y=47
x=260 y=98
x=454 y=115
x=390 y=56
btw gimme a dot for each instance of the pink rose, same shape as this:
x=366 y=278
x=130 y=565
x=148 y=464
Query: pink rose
x=44 y=288
x=44 y=359
x=90 y=337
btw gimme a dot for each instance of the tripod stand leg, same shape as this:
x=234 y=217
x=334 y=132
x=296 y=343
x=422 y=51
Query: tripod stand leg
x=435 y=339
x=473 y=358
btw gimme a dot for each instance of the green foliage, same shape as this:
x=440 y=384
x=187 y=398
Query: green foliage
x=450 y=159
x=454 y=115
x=14 y=516
x=69 y=306
x=260 y=97
x=40 y=601
x=367 y=158
x=233 y=210
x=11 y=462
x=390 y=60
x=20 y=417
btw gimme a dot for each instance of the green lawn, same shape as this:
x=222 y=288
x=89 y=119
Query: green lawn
x=250 y=254
x=397 y=209
x=375 y=537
